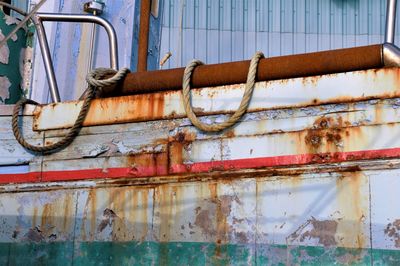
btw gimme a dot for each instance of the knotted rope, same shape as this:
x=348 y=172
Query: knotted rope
x=95 y=84
x=251 y=78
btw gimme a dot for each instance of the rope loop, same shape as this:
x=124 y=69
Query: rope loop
x=95 y=81
x=95 y=78
x=249 y=87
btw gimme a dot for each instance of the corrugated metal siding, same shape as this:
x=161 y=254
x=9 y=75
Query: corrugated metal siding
x=230 y=30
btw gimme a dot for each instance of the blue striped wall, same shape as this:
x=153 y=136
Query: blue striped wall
x=229 y=30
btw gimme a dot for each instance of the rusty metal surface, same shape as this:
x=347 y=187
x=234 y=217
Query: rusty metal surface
x=274 y=68
x=145 y=9
x=308 y=184
x=321 y=218
x=265 y=140
x=278 y=94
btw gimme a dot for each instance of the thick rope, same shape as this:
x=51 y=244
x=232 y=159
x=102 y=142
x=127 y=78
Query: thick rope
x=251 y=79
x=94 y=84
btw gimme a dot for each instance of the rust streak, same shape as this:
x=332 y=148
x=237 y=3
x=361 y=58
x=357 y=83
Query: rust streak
x=67 y=212
x=92 y=198
x=353 y=206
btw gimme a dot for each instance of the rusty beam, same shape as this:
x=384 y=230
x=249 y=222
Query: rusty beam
x=145 y=8
x=274 y=68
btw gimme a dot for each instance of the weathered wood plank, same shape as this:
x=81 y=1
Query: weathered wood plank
x=116 y=142
x=290 y=93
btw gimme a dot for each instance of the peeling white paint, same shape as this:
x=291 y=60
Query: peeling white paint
x=25 y=68
x=4 y=51
x=11 y=20
x=5 y=84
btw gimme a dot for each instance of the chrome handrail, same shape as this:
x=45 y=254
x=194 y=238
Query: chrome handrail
x=39 y=18
x=390 y=21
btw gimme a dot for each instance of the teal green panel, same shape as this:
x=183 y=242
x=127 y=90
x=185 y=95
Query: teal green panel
x=311 y=255
x=4 y=253
x=116 y=253
x=172 y=253
x=50 y=253
x=187 y=253
x=12 y=69
x=193 y=253
x=386 y=257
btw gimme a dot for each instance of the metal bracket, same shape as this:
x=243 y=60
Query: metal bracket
x=39 y=18
x=94 y=7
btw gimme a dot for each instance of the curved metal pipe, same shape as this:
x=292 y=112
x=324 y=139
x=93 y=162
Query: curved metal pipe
x=16 y=9
x=112 y=36
x=37 y=20
x=391 y=55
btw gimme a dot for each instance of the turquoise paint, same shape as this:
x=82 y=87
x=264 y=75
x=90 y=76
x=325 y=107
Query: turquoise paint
x=187 y=253
x=12 y=69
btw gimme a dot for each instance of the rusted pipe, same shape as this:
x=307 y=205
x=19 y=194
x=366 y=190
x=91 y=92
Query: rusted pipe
x=145 y=9
x=282 y=67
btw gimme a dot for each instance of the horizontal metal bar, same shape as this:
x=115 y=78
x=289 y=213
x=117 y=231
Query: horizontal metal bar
x=283 y=67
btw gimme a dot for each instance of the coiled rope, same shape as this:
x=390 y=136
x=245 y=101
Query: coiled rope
x=251 y=78
x=96 y=82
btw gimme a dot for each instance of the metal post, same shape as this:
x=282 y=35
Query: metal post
x=390 y=21
x=145 y=9
x=48 y=63
x=94 y=7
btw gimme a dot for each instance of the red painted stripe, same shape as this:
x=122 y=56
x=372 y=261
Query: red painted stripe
x=202 y=167
x=104 y=173
x=20 y=178
x=298 y=159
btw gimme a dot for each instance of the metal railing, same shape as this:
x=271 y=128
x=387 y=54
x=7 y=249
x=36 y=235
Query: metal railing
x=39 y=18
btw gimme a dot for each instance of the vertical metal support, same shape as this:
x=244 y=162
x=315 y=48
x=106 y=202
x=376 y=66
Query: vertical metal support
x=390 y=21
x=95 y=7
x=144 y=28
x=48 y=63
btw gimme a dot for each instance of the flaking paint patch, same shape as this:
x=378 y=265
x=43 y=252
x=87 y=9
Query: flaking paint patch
x=5 y=85
x=322 y=230
x=34 y=235
x=203 y=220
x=25 y=68
x=10 y=20
x=4 y=51
x=392 y=230
x=108 y=218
